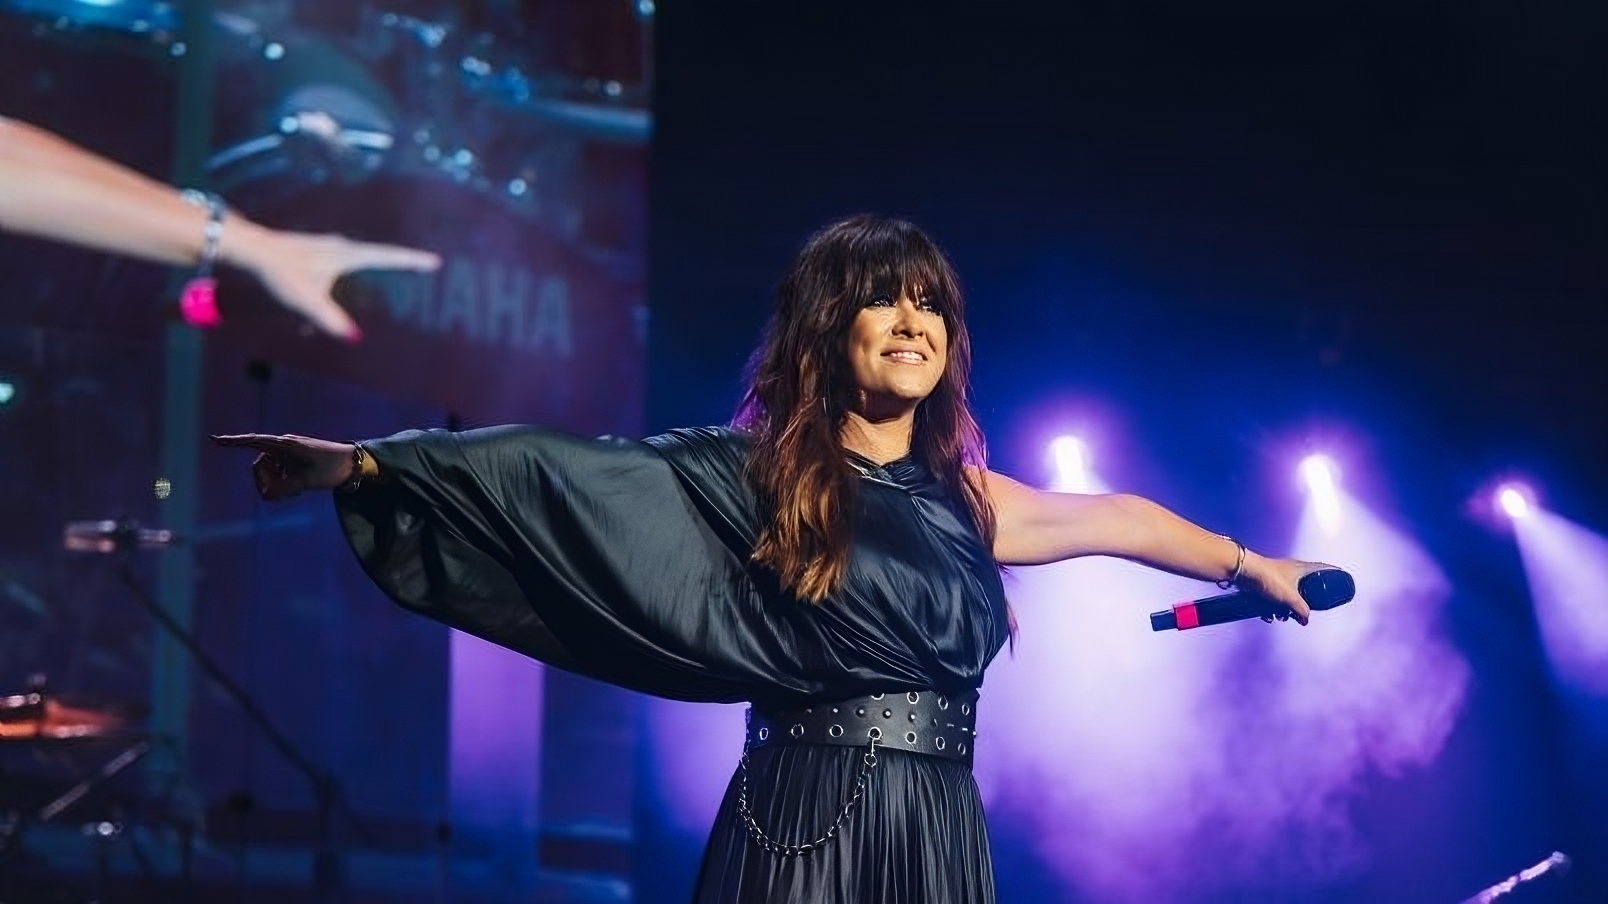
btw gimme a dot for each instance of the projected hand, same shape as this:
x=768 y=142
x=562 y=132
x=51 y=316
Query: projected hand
x=1279 y=580
x=299 y=270
x=54 y=189
x=289 y=465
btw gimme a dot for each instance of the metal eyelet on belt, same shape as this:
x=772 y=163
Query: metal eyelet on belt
x=835 y=731
x=913 y=698
x=874 y=734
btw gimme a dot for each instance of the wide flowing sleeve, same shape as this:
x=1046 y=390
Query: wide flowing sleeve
x=623 y=561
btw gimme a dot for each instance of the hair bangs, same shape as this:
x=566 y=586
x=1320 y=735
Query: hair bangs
x=892 y=257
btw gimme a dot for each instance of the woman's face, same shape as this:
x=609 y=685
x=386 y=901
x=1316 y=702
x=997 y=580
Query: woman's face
x=898 y=348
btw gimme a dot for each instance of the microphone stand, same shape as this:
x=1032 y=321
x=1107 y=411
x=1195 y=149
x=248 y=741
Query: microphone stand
x=326 y=792
x=1558 y=863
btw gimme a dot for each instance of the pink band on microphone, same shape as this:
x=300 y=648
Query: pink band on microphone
x=1186 y=615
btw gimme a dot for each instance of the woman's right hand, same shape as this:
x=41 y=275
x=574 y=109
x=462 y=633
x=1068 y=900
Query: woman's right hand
x=289 y=465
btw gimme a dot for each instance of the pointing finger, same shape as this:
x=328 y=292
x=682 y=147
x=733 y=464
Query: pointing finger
x=368 y=256
x=253 y=441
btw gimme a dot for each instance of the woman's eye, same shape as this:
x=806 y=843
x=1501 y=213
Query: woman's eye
x=924 y=303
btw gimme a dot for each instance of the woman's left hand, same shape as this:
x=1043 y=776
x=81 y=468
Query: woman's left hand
x=1279 y=580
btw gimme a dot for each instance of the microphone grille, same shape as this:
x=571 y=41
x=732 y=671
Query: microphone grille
x=1327 y=588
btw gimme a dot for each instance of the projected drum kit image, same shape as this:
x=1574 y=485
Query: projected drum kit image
x=404 y=90
x=458 y=100
x=36 y=716
x=76 y=753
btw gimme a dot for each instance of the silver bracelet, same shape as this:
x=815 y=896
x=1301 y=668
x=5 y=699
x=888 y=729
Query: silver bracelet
x=359 y=455
x=1239 y=566
x=212 y=234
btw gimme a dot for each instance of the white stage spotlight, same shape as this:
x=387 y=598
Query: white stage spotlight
x=1071 y=458
x=1323 y=486
x=1515 y=500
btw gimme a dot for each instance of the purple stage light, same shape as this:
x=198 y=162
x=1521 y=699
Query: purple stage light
x=1143 y=746
x=1071 y=458
x=1514 y=500
x=1319 y=473
x=695 y=748
x=1323 y=488
x=1566 y=566
x=1371 y=688
x=1105 y=751
x=495 y=743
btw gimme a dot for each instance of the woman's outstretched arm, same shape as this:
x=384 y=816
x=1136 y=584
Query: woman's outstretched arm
x=53 y=189
x=1038 y=527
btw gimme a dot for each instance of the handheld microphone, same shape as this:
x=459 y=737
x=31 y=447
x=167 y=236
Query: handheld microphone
x=1325 y=588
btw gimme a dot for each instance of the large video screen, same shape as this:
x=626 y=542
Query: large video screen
x=338 y=219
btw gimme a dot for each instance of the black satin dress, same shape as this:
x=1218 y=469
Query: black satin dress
x=628 y=562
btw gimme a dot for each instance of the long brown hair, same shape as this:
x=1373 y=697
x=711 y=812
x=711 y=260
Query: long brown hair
x=801 y=387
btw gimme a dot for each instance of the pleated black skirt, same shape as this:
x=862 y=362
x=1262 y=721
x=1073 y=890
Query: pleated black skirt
x=916 y=836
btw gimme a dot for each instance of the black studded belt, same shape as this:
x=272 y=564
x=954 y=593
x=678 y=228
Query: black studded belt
x=918 y=721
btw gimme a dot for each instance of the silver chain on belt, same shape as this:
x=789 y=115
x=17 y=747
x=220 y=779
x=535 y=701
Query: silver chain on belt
x=867 y=762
